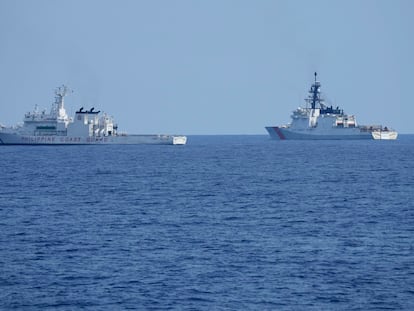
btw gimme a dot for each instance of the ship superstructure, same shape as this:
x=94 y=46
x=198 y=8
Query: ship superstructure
x=318 y=121
x=87 y=127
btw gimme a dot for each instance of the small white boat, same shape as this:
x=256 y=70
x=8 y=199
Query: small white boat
x=385 y=134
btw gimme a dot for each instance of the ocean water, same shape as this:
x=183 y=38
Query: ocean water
x=223 y=223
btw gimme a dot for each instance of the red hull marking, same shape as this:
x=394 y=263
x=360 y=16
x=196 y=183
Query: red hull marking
x=279 y=133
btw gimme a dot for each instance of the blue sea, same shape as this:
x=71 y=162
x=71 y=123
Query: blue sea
x=223 y=223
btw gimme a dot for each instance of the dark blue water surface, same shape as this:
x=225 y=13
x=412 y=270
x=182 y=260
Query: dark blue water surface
x=223 y=223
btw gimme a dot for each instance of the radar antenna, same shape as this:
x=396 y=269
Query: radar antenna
x=62 y=91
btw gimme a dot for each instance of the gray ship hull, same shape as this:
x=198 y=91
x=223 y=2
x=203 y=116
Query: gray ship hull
x=283 y=133
x=17 y=139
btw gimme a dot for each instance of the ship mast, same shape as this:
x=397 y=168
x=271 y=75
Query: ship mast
x=61 y=92
x=314 y=98
x=59 y=108
x=315 y=93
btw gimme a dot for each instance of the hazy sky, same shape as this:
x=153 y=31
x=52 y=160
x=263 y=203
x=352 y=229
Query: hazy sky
x=208 y=67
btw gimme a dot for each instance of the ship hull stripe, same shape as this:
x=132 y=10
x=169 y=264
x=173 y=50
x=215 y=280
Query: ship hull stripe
x=279 y=133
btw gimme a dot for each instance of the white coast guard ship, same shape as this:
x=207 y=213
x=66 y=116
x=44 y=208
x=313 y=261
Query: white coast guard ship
x=318 y=121
x=87 y=127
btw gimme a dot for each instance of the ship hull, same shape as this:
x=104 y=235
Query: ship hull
x=282 y=133
x=17 y=139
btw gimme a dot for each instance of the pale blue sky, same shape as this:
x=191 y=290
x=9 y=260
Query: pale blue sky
x=208 y=67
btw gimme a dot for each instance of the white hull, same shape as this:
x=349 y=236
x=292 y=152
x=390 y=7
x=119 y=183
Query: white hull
x=384 y=135
x=281 y=133
x=17 y=139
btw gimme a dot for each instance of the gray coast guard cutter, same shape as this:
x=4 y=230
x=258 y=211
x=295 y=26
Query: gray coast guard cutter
x=316 y=121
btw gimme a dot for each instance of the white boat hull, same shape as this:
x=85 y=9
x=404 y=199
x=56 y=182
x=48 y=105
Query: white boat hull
x=17 y=139
x=283 y=133
x=385 y=135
